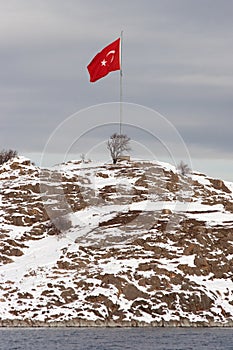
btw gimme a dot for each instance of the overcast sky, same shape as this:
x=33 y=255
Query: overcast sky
x=177 y=60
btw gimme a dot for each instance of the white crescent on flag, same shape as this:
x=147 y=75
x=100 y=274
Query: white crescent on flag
x=113 y=54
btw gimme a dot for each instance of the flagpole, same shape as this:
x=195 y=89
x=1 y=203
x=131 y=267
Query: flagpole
x=121 y=88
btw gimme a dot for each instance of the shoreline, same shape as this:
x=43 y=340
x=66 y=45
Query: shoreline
x=79 y=323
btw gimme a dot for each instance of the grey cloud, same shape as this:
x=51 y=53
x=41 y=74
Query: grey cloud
x=177 y=59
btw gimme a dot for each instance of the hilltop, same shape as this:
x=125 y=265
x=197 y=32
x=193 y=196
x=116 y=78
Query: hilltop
x=133 y=244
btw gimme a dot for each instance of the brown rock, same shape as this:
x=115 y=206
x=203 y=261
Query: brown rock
x=69 y=295
x=131 y=292
x=219 y=185
x=201 y=262
x=166 y=211
x=25 y=295
x=116 y=281
x=191 y=249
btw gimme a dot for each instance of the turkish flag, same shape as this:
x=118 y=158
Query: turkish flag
x=105 y=61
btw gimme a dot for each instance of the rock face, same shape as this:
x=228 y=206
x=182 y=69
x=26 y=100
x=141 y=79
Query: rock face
x=133 y=244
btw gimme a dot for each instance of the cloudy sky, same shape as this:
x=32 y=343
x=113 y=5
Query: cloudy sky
x=177 y=60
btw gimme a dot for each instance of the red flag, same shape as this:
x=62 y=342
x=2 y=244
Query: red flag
x=105 y=61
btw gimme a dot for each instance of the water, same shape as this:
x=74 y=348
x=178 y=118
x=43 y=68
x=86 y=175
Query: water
x=117 y=338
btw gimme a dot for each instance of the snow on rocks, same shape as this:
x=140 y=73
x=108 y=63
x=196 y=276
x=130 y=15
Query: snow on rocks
x=130 y=244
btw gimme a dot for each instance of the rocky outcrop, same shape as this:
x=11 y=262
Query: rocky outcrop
x=135 y=244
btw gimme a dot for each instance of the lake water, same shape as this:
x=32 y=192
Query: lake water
x=117 y=338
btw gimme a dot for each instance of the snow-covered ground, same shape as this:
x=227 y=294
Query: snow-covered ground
x=135 y=242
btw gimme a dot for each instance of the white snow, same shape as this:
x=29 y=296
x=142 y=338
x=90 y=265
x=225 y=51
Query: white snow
x=202 y=179
x=40 y=254
x=175 y=206
x=116 y=266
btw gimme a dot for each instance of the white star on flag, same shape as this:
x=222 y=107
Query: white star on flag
x=103 y=63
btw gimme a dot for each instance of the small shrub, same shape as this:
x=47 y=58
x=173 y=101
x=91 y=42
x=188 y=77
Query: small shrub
x=6 y=155
x=183 y=168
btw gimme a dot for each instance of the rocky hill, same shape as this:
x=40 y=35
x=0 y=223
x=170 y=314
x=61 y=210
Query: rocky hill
x=127 y=245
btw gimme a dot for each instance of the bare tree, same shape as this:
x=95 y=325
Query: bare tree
x=183 y=168
x=118 y=144
x=6 y=155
